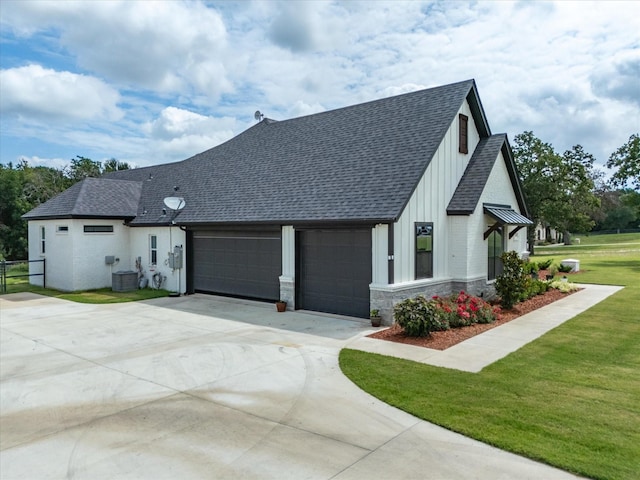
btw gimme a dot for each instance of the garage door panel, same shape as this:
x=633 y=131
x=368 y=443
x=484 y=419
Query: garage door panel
x=335 y=271
x=238 y=263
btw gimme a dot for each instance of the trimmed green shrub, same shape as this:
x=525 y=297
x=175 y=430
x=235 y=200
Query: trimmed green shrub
x=545 y=264
x=512 y=283
x=564 y=268
x=418 y=316
x=530 y=268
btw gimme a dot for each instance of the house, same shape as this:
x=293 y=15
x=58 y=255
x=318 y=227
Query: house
x=341 y=212
x=545 y=234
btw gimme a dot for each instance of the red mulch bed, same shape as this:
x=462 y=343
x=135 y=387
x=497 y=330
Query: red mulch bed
x=448 y=338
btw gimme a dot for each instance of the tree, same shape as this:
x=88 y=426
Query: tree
x=113 y=165
x=13 y=236
x=626 y=161
x=577 y=201
x=558 y=189
x=537 y=165
x=83 y=167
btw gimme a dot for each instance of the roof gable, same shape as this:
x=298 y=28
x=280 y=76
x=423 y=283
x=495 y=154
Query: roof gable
x=358 y=163
x=469 y=190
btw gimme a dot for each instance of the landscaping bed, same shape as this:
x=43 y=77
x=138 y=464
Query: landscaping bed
x=442 y=340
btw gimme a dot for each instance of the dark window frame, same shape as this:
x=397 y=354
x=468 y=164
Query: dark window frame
x=43 y=240
x=463 y=133
x=153 y=249
x=423 y=267
x=494 y=263
x=98 y=229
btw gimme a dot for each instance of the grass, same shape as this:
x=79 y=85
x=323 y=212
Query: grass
x=102 y=295
x=569 y=399
x=594 y=239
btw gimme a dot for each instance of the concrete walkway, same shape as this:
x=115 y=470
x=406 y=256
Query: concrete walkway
x=474 y=354
x=200 y=387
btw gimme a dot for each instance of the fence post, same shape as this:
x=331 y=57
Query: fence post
x=44 y=273
x=3 y=276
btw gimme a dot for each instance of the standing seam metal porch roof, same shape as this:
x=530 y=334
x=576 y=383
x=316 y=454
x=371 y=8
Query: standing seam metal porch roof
x=506 y=215
x=358 y=163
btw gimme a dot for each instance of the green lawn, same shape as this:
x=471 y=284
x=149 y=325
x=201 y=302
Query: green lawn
x=103 y=295
x=570 y=399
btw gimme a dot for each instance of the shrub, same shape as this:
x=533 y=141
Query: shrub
x=565 y=268
x=511 y=284
x=418 y=316
x=564 y=287
x=533 y=287
x=530 y=268
x=545 y=264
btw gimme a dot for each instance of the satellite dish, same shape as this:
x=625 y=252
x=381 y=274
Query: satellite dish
x=258 y=116
x=174 y=203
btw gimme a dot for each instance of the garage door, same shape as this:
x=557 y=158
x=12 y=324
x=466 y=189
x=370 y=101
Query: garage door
x=238 y=263
x=334 y=271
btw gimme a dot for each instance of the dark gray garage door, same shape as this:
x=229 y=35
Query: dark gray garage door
x=239 y=263
x=334 y=271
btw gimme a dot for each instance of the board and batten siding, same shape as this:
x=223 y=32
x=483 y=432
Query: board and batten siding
x=380 y=255
x=429 y=201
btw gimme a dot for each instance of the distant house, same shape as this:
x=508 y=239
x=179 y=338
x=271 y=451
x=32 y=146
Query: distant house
x=340 y=212
x=546 y=234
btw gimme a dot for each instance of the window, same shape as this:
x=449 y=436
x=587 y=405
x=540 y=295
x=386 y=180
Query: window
x=153 y=249
x=463 y=140
x=42 y=240
x=496 y=248
x=98 y=229
x=62 y=229
x=424 y=250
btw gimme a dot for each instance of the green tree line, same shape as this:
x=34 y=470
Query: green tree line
x=568 y=193
x=23 y=187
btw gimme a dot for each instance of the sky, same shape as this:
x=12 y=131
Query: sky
x=153 y=82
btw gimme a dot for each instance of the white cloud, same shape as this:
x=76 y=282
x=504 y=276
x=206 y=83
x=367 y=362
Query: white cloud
x=179 y=133
x=34 y=92
x=192 y=74
x=158 y=45
x=57 y=163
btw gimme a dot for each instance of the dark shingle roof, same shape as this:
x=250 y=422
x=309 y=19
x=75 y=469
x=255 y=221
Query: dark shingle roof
x=469 y=189
x=92 y=198
x=359 y=163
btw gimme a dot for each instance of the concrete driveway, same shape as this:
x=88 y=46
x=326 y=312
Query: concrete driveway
x=202 y=387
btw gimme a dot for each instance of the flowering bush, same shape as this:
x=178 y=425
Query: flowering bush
x=564 y=287
x=419 y=316
x=464 y=309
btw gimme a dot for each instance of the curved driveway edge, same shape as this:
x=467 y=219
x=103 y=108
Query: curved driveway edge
x=202 y=387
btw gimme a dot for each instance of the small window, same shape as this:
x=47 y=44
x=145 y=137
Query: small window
x=496 y=248
x=153 y=249
x=98 y=229
x=62 y=229
x=424 y=250
x=463 y=140
x=42 y=240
